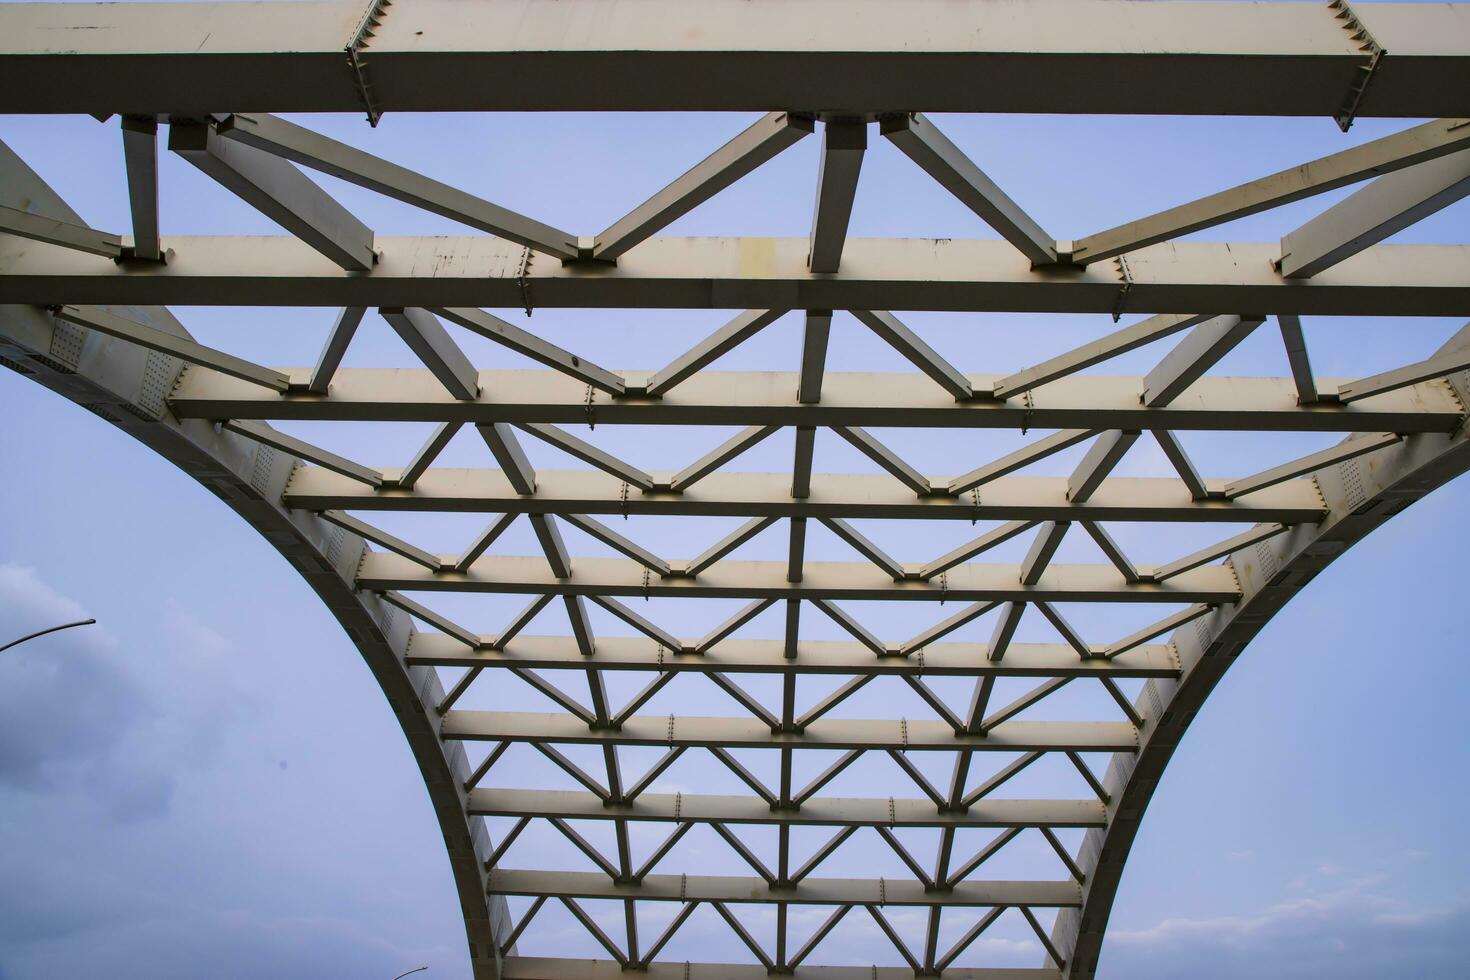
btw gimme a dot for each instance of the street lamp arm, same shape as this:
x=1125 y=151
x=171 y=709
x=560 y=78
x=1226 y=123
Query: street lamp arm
x=52 y=629
x=414 y=970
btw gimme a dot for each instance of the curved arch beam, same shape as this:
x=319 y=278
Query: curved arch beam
x=1361 y=494
x=126 y=385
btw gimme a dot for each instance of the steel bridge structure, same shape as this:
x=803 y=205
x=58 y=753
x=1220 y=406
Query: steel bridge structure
x=86 y=313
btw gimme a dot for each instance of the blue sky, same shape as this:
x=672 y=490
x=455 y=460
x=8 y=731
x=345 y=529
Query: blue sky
x=210 y=783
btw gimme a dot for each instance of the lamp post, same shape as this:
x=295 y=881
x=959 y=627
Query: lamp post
x=414 y=970
x=50 y=629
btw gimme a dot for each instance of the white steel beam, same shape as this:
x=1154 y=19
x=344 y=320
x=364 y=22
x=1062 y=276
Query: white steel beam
x=870 y=447
x=1380 y=156
x=922 y=142
x=1109 y=57
x=815 y=657
x=1055 y=957
x=796 y=550
x=893 y=274
x=864 y=547
x=710 y=349
x=1020 y=704
x=521 y=620
x=576 y=607
x=754 y=733
x=727 y=544
x=737 y=927
x=810 y=891
x=1297 y=357
x=1105 y=453
x=427 y=338
x=274 y=135
x=971 y=549
x=887 y=929
x=588 y=453
x=833 y=495
x=922 y=641
x=1116 y=343
x=306 y=452
x=843 y=145
x=966 y=940
x=1166 y=625
x=443 y=624
x=817 y=332
x=979 y=793
x=1067 y=631
x=1023 y=457
x=760 y=142
x=506 y=448
x=1193 y=356
x=1385 y=207
x=1000 y=643
x=391 y=542
x=851 y=626
x=719 y=456
x=817 y=811
x=1048 y=539
x=483 y=541
x=341 y=334
x=113 y=325
x=543 y=967
x=64 y=234
x=916 y=351
x=1112 y=550
x=617 y=542
x=140 y=158
x=646 y=965
x=1425 y=370
x=596 y=930
x=280 y=192
x=865 y=400
x=1181 y=463
x=641 y=624
x=801 y=467
x=428 y=452
x=820 y=580
x=719 y=634
x=1342 y=452
x=524 y=342
x=1216 y=551
x=821 y=932
x=548 y=535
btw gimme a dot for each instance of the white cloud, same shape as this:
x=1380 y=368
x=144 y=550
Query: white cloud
x=28 y=598
x=1354 y=932
x=83 y=711
x=173 y=944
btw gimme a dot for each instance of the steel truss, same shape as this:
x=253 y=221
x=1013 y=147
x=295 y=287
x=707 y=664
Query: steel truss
x=88 y=318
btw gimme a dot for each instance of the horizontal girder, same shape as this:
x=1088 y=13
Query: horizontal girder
x=553 y=968
x=526 y=575
x=746 y=273
x=848 y=399
x=831 y=495
x=812 y=657
x=969 y=56
x=825 y=733
x=809 y=891
x=818 y=811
